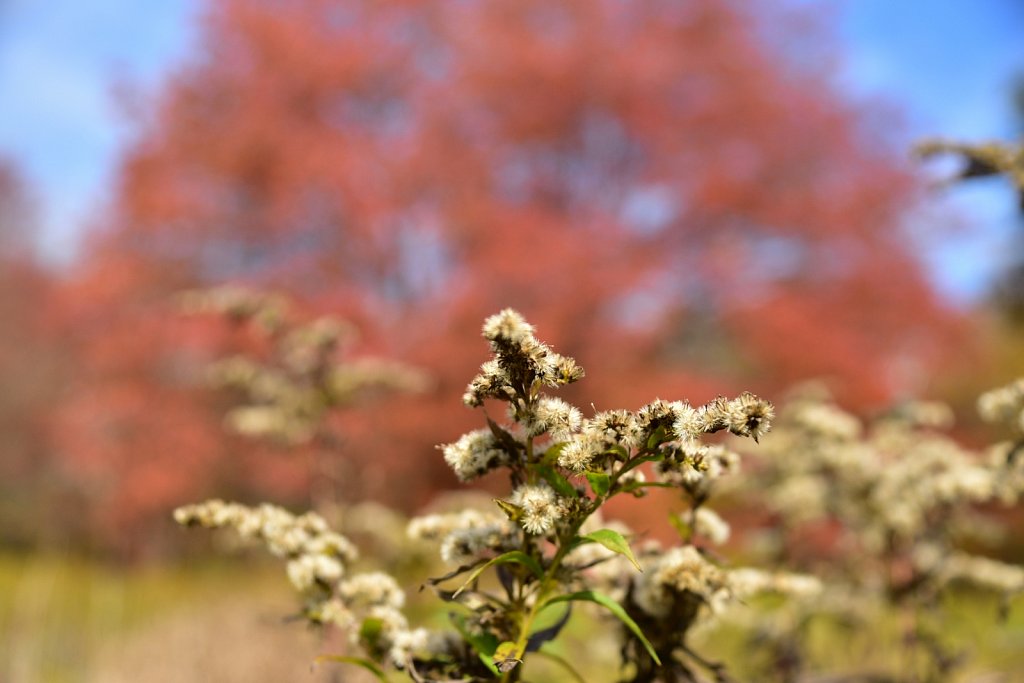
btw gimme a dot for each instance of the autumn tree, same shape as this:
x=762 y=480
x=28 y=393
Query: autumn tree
x=30 y=364
x=672 y=189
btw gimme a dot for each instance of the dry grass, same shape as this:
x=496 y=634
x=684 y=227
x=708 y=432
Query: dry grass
x=71 y=621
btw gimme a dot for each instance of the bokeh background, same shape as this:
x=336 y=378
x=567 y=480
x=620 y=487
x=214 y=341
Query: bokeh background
x=691 y=198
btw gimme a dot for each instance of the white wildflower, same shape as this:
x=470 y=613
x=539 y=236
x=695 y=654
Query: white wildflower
x=749 y=415
x=688 y=423
x=746 y=582
x=657 y=413
x=492 y=382
x=432 y=527
x=465 y=536
x=555 y=416
x=711 y=526
x=406 y=643
x=508 y=326
x=1005 y=404
x=372 y=589
x=474 y=454
x=540 y=505
x=827 y=421
x=579 y=452
x=678 y=571
x=306 y=571
x=559 y=370
x=614 y=428
x=335 y=613
x=462 y=546
x=984 y=572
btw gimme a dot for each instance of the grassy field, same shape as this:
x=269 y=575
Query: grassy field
x=67 y=621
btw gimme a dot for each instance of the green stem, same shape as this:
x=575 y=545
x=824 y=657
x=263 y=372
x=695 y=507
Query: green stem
x=543 y=591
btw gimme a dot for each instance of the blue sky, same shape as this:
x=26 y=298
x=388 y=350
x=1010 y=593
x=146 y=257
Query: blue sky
x=946 y=64
x=59 y=63
x=949 y=66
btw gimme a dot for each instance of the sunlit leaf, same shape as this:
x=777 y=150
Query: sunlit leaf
x=559 y=483
x=599 y=483
x=615 y=542
x=613 y=607
x=513 y=512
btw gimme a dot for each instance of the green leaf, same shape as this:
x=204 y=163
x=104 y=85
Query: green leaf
x=657 y=437
x=613 y=607
x=615 y=542
x=370 y=630
x=358 y=661
x=559 y=483
x=633 y=463
x=485 y=644
x=511 y=557
x=639 y=485
x=599 y=483
x=513 y=512
x=541 y=636
x=620 y=451
x=553 y=452
x=680 y=525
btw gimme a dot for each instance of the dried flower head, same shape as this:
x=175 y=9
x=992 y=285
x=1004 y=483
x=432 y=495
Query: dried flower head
x=580 y=452
x=677 y=571
x=555 y=416
x=474 y=454
x=507 y=328
x=540 y=507
x=749 y=415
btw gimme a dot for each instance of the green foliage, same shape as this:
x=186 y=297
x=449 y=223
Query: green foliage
x=613 y=607
x=614 y=541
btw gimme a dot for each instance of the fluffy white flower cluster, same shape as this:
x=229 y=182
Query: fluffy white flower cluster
x=540 y=507
x=681 y=582
x=303 y=374
x=745 y=582
x=982 y=571
x=520 y=361
x=708 y=524
x=465 y=536
x=474 y=454
x=672 y=574
x=693 y=465
x=897 y=486
x=552 y=415
x=1005 y=404
x=316 y=555
x=522 y=365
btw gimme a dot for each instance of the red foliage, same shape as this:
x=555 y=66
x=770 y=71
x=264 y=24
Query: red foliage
x=662 y=191
x=30 y=363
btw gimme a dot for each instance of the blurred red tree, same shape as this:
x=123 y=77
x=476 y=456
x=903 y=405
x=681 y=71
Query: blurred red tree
x=672 y=191
x=31 y=367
